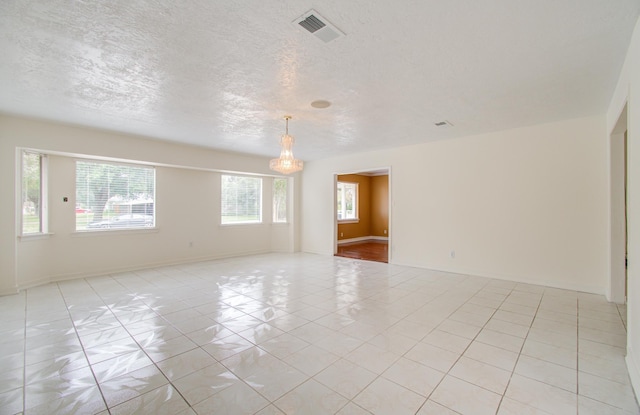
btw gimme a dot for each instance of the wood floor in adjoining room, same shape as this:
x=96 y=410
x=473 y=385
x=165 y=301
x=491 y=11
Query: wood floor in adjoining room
x=368 y=250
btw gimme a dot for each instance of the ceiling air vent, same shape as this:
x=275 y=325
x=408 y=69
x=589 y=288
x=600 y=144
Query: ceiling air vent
x=318 y=26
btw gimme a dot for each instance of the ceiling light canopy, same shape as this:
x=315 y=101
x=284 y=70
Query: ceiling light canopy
x=320 y=103
x=286 y=163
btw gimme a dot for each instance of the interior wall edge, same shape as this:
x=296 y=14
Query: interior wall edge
x=633 y=368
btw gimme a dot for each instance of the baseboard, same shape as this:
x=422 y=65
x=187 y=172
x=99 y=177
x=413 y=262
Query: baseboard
x=586 y=288
x=634 y=371
x=103 y=272
x=9 y=292
x=362 y=239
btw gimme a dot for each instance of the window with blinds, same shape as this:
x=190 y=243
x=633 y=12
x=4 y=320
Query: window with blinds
x=241 y=199
x=114 y=196
x=34 y=193
x=279 y=200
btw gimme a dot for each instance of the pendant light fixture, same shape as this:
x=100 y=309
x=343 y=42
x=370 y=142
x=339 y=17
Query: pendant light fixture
x=286 y=163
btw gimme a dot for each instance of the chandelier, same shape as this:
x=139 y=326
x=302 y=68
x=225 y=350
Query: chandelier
x=286 y=163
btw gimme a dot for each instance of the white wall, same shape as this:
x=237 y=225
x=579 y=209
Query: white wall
x=527 y=204
x=628 y=92
x=187 y=207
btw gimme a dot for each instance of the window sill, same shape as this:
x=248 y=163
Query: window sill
x=103 y=232
x=34 y=236
x=348 y=221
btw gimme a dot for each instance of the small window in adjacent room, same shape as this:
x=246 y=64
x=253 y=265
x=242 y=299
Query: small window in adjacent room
x=279 y=200
x=241 y=199
x=34 y=193
x=114 y=196
x=347 y=199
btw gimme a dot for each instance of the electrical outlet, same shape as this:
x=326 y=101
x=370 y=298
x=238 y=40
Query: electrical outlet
x=452 y=254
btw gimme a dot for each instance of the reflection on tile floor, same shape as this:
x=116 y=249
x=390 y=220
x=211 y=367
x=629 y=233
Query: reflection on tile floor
x=308 y=334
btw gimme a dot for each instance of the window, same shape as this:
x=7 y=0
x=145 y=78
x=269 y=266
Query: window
x=114 y=196
x=279 y=200
x=347 y=201
x=241 y=199
x=34 y=194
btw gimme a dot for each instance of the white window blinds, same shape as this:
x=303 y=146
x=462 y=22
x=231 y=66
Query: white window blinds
x=114 y=196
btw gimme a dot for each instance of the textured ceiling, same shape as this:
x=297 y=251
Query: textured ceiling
x=222 y=74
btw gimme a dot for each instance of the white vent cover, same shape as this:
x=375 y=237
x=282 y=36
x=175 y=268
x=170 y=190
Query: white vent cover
x=318 y=26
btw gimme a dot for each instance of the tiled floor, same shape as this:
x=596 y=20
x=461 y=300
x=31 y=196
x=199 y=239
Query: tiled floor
x=309 y=334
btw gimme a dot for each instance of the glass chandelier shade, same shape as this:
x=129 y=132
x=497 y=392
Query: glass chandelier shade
x=286 y=163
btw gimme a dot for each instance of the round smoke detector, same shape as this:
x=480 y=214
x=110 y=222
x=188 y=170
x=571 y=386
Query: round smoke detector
x=320 y=104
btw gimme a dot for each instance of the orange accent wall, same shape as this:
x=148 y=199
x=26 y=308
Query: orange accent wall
x=373 y=207
x=380 y=206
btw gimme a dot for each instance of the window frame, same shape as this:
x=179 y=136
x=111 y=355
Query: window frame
x=356 y=207
x=146 y=227
x=260 y=219
x=43 y=208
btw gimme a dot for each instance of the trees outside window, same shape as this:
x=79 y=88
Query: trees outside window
x=241 y=199
x=279 y=200
x=34 y=198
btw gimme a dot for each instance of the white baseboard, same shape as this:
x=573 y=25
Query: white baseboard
x=99 y=273
x=362 y=239
x=9 y=292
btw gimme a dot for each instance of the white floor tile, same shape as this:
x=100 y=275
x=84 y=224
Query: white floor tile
x=433 y=408
x=237 y=399
x=414 y=376
x=603 y=390
x=280 y=333
x=132 y=385
x=346 y=378
x=372 y=358
x=385 y=397
x=201 y=384
x=507 y=327
x=185 y=364
x=465 y=398
x=162 y=401
x=551 y=353
x=432 y=356
x=481 y=374
x=542 y=396
x=501 y=340
x=11 y=401
x=311 y=398
x=611 y=368
x=588 y=406
x=547 y=372
x=492 y=355
x=509 y=406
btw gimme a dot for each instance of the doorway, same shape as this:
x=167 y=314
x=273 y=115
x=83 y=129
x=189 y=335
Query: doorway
x=617 y=290
x=362 y=215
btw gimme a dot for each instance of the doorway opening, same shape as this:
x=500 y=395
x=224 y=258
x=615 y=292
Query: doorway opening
x=362 y=215
x=617 y=290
